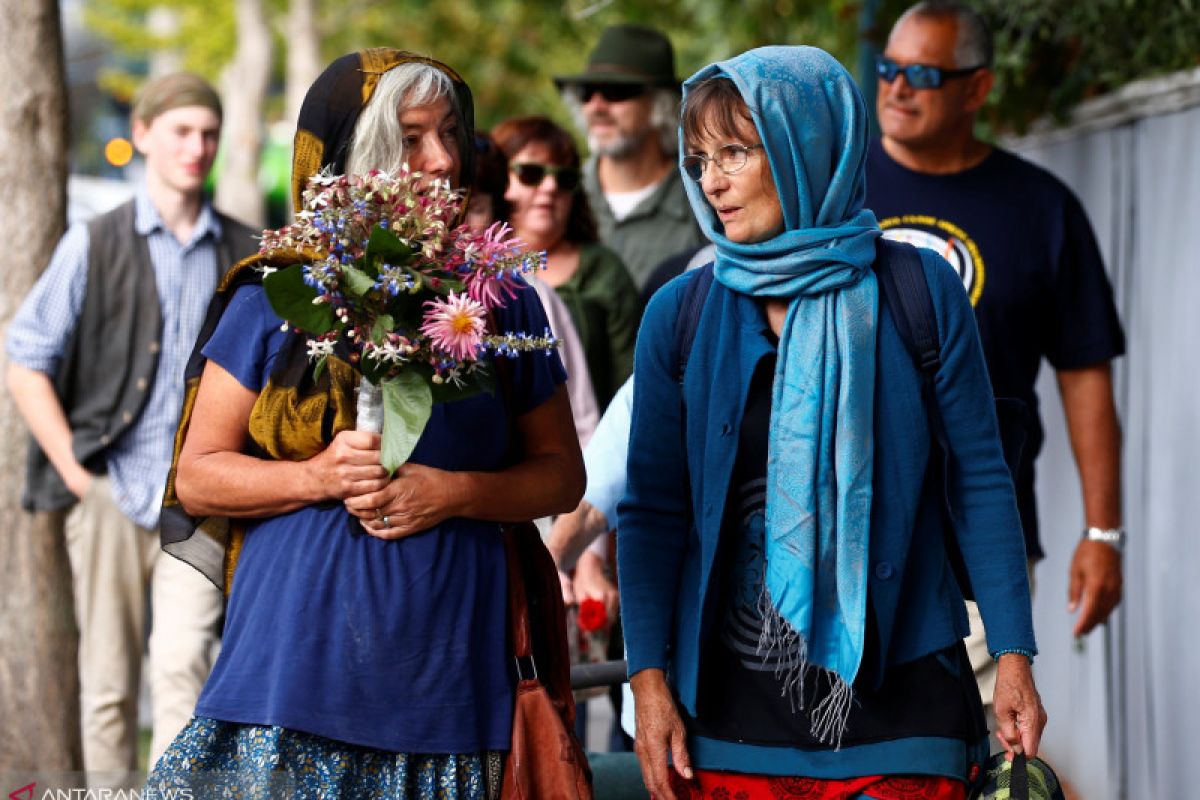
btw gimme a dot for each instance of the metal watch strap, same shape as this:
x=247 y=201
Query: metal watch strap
x=1110 y=536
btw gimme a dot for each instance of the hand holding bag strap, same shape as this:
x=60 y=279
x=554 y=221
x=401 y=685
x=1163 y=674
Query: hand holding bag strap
x=1020 y=778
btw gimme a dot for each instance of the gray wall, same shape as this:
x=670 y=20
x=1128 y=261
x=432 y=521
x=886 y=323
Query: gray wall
x=1124 y=705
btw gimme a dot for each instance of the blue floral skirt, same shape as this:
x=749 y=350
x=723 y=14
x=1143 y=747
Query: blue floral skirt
x=229 y=760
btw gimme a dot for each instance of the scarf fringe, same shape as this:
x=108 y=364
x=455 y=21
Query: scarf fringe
x=789 y=649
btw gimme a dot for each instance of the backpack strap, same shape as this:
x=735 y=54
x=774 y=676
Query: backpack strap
x=902 y=280
x=906 y=293
x=694 y=295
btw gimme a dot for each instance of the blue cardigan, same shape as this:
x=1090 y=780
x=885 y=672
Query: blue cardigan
x=668 y=535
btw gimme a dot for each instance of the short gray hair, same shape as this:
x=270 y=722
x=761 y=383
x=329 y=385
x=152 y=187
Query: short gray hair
x=664 y=115
x=973 y=38
x=378 y=141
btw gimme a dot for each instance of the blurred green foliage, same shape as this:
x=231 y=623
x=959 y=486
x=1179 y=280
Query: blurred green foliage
x=1050 y=53
x=506 y=49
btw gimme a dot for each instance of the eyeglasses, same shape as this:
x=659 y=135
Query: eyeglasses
x=530 y=173
x=730 y=159
x=611 y=92
x=919 y=76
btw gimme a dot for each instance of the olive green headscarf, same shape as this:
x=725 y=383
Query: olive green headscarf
x=295 y=416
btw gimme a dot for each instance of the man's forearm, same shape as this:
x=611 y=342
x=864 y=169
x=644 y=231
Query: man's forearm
x=573 y=532
x=34 y=395
x=1095 y=434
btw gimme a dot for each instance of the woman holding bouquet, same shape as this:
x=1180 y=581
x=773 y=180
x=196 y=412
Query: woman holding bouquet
x=792 y=621
x=361 y=665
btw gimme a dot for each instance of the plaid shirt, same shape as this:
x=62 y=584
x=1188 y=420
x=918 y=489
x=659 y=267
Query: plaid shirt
x=185 y=274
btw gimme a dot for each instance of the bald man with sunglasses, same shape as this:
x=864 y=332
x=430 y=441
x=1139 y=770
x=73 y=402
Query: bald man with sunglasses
x=1028 y=258
x=627 y=101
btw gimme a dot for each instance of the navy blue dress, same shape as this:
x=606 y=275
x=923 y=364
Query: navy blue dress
x=393 y=645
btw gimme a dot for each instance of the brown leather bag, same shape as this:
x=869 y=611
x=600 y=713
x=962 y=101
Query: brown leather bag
x=546 y=761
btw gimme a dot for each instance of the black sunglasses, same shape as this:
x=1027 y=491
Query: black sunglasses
x=611 y=92
x=530 y=173
x=919 y=76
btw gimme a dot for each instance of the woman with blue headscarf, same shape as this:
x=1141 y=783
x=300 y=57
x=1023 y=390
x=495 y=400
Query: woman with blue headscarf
x=792 y=620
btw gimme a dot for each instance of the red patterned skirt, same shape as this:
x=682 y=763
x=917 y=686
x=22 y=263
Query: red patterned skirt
x=716 y=785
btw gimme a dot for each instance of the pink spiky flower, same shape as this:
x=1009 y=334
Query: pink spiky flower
x=455 y=325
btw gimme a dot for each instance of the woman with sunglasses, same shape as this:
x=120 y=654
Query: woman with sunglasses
x=792 y=621
x=549 y=212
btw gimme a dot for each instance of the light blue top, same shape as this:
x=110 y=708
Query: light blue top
x=604 y=457
x=185 y=274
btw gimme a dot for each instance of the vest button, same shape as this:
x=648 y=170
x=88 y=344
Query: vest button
x=154 y=346
x=127 y=416
x=883 y=571
x=142 y=383
x=105 y=439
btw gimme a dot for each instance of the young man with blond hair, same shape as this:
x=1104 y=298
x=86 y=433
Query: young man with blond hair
x=96 y=360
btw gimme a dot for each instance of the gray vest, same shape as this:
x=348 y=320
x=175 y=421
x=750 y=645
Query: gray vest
x=110 y=360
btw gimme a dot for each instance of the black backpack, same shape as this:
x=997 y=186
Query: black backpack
x=903 y=288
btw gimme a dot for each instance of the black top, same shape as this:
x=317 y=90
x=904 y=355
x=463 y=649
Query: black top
x=1023 y=246
x=742 y=699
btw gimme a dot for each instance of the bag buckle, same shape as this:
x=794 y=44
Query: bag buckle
x=526 y=668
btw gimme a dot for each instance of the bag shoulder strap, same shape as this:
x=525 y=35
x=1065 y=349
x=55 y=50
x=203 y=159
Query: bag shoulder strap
x=906 y=292
x=694 y=295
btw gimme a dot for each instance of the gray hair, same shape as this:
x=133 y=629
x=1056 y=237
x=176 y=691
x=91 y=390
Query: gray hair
x=973 y=38
x=664 y=115
x=378 y=141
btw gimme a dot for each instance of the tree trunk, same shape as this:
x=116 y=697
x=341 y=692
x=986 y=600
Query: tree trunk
x=303 y=62
x=39 y=673
x=245 y=89
x=164 y=22
x=303 y=56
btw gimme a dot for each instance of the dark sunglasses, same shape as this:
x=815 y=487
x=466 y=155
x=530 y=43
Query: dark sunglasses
x=919 y=76
x=611 y=92
x=567 y=179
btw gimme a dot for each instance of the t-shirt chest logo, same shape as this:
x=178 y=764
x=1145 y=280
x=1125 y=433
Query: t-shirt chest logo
x=944 y=238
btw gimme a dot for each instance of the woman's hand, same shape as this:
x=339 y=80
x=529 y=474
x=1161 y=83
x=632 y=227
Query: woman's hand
x=659 y=731
x=418 y=498
x=1019 y=713
x=349 y=466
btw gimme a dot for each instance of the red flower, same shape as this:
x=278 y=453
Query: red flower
x=592 y=616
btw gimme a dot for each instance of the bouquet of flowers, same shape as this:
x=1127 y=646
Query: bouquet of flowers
x=390 y=283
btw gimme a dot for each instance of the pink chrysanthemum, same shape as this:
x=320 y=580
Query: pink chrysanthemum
x=495 y=257
x=455 y=325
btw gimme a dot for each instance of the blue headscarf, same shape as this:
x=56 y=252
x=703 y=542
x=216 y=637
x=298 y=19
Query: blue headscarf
x=814 y=128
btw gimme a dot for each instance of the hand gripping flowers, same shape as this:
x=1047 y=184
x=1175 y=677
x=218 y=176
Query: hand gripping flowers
x=382 y=278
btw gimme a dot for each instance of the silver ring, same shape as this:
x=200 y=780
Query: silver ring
x=387 y=523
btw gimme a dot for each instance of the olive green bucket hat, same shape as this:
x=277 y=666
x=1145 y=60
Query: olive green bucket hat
x=629 y=54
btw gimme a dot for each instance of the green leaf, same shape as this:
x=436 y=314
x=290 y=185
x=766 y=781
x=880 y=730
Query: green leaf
x=407 y=403
x=292 y=299
x=357 y=282
x=385 y=245
x=384 y=324
x=319 y=368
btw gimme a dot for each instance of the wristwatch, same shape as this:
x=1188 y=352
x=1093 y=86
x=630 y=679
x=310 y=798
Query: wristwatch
x=1114 y=537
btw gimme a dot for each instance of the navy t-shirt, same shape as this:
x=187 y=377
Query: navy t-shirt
x=397 y=645
x=1023 y=246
